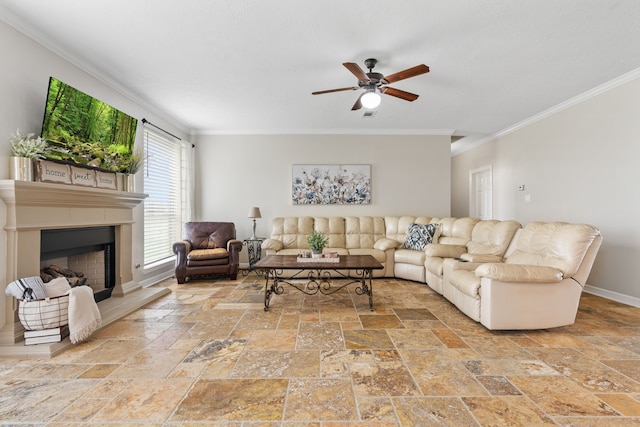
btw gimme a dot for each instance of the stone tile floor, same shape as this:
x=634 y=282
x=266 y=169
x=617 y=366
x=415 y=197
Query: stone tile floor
x=208 y=354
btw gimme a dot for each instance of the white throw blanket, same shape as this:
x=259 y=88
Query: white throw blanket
x=84 y=315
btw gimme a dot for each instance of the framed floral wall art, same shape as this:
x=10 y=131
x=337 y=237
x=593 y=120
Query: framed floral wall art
x=331 y=184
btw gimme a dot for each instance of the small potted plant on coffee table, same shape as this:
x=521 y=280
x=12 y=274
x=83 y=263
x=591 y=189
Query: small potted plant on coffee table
x=317 y=241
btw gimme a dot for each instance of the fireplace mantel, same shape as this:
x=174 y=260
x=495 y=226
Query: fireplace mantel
x=25 y=198
x=35 y=206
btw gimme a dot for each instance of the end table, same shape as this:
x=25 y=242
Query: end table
x=254 y=249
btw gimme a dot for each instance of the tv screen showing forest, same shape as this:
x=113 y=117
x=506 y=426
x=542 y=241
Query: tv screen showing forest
x=84 y=130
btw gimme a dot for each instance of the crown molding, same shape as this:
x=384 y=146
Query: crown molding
x=372 y=132
x=37 y=36
x=461 y=146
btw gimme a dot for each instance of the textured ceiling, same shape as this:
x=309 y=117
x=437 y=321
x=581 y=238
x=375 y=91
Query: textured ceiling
x=249 y=66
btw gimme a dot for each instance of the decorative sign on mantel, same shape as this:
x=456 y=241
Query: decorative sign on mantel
x=62 y=173
x=81 y=176
x=47 y=171
x=106 y=180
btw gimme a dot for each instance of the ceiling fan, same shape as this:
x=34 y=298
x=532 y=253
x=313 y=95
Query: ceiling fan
x=376 y=83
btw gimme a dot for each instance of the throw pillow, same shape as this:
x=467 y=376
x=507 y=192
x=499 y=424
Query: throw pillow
x=57 y=287
x=29 y=288
x=418 y=236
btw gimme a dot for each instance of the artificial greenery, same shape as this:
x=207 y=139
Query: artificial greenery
x=27 y=145
x=317 y=241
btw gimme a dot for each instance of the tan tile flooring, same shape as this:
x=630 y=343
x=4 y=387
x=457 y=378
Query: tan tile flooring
x=208 y=354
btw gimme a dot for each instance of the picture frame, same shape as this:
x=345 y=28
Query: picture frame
x=331 y=184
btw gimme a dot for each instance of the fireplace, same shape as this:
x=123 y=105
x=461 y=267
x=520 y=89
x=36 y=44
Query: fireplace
x=89 y=251
x=33 y=209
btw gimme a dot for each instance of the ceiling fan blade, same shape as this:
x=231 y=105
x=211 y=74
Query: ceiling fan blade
x=358 y=104
x=356 y=70
x=407 y=96
x=320 y=92
x=408 y=73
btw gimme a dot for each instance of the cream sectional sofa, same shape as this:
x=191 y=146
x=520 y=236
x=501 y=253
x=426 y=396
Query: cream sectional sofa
x=460 y=246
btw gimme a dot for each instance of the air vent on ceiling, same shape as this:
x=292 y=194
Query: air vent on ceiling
x=369 y=113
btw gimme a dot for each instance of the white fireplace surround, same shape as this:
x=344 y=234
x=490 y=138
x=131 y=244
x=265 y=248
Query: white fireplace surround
x=34 y=206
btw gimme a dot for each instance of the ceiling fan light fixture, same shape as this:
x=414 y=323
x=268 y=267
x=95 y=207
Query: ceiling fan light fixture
x=371 y=99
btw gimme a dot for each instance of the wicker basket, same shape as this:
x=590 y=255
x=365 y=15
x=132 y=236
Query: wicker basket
x=44 y=313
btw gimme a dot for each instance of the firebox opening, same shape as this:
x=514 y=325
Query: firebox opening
x=80 y=249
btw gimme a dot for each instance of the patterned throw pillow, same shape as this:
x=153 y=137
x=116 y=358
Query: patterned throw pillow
x=418 y=236
x=29 y=288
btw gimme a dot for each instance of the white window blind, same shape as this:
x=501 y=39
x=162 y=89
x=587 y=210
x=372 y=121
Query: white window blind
x=166 y=181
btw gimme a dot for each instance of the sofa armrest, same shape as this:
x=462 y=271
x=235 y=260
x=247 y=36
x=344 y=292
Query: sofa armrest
x=273 y=244
x=480 y=258
x=385 y=244
x=464 y=265
x=444 y=251
x=181 y=249
x=519 y=273
x=234 y=247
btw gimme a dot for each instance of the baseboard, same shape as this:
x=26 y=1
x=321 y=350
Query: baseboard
x=614 y=296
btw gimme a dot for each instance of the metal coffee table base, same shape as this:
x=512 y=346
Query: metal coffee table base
x=317 y=280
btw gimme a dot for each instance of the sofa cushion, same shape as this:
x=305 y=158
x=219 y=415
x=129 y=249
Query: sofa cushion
x=457 y=231
x=204 y=254
x=396 y=226
x=273 y=244
x=380 y=256
x=419 y=236
x=333 y=228
x=554 y=244
x=492 y=237
x=363 y=232
x=209 y=235
x=292 y=231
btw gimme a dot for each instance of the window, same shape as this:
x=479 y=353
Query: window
x=167 y=181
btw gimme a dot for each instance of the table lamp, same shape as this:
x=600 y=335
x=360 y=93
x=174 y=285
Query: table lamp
x=253 y=214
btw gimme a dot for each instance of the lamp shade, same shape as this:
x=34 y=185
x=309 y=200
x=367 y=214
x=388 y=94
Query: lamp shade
x=370 y=100
x=254 y=213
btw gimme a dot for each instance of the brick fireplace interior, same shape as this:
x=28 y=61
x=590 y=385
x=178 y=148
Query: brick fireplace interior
x=88 y=252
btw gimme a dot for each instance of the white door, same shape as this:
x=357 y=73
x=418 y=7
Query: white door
x=480 y=193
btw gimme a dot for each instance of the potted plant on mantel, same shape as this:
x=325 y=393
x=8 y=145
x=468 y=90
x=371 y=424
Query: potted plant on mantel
x=317 y=241
x=135 y=163
x=25 y=148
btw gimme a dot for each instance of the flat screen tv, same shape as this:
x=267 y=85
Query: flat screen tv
x=84 y=130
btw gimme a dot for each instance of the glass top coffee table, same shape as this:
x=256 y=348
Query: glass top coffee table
x=317 y=274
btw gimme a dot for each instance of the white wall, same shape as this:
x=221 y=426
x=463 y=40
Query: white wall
x=410 y=175
x=578 y=165
x=24 y=78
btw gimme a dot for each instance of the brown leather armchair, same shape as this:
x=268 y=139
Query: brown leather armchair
x=208 y=248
